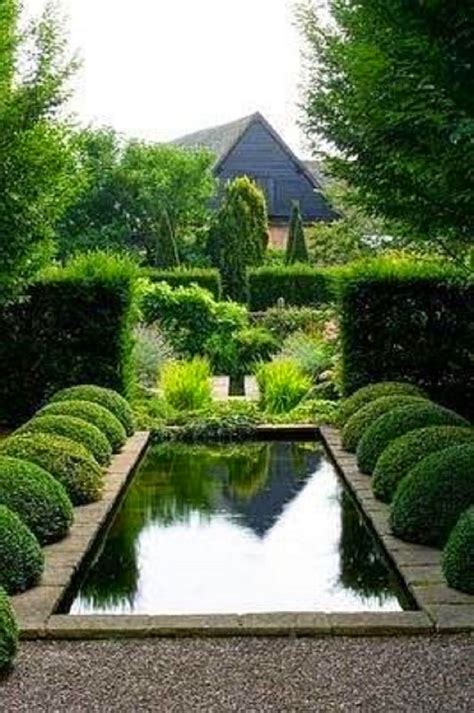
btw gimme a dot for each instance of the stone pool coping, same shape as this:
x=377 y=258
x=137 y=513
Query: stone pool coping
x=440 y=608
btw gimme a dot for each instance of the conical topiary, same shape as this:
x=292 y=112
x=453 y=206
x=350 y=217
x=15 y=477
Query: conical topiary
x=296 y=250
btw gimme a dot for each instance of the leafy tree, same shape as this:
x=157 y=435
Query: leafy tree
x=36 y=156
x=296 y=250
x=239 y=235
x=390 y=86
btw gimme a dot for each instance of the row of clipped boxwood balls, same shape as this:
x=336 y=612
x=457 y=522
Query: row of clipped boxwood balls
x=52 y=463
x=421 y=459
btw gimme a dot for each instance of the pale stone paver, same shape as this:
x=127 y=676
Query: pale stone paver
x=220 y=388
x=251 y=390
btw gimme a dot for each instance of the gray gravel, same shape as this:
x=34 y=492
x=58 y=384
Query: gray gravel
x=334 y=674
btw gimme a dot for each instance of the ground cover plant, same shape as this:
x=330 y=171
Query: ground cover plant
x=91 y=412
x=108 y=398
x=458 y=554
x=8 y=633
x=20 y=554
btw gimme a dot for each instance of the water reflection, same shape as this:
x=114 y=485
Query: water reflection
x=254 y=527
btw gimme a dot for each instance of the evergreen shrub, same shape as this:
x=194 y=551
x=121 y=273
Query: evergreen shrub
x=298 y=285
x=21 y=557
x=109 y=399
x=93 y=413
x=458 y=554
x=371 y=392
x=8 y=633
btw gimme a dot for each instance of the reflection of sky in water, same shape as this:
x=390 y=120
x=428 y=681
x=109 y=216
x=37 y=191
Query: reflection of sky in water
x=219 y=564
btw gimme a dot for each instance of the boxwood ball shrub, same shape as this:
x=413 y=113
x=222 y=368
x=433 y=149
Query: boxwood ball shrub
x=406 y=452
x=429 y=501
x=92 y=413
x=359 y=422
x=20 y=554
x=396 y=423
x=111 y=400
x=76 y=429
x=8 y=633
x=39 y=499
x=458 y=555
x=369 y=393
x=68 y=462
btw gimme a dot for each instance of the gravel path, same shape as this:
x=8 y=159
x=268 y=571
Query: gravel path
x=336 y=674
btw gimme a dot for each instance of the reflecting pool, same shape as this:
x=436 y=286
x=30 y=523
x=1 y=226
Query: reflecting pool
x=259 y=527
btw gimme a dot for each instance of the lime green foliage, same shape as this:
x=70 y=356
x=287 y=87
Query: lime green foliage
x=296 y=250
x=93 y=413
x=8 y=633
x=283 y=385
x=458 y=555
x=207 y=278
x=406 y=452
x=68 y=462
x=20 y=554
x=39 y=500
x=76 y=429
x=298 y=285
x=310 y=411
x=398 y=422
x=187 y=385
x=109 y=399
x=430 y=499
x=359 y=422
x=371 y=392
x=239 y=235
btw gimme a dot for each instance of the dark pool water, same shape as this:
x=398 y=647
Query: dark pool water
x=260 y=527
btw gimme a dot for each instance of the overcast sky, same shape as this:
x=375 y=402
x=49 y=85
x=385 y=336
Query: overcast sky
x=157 y=69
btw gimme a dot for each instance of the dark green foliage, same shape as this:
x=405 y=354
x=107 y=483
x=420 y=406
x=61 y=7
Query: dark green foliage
x=458 y=555
x=208 y=279
x=296 y=250
x=238 y=236
x=36 y=497
x=406 y=452
x=430 y=499
x=8 y=633
x=238 y=354
x=77 y=430
x=74 y=326
x=409 y=321
x=283 y=322
x=297 y=285
x=93 y=413
x=20 y=554
x=398 y=422
x=224 y=422
x=109 y=399
x=369 y=393
x=357 y=425
x=68 y=462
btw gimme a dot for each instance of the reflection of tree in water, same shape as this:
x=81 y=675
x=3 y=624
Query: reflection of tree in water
x=247 y=470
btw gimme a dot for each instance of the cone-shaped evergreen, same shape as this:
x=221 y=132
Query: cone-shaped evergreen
x=296 y=250
x=166 y=254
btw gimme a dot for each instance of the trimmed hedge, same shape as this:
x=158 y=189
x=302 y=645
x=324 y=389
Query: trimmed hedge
x=299 y=285
x=109 y=399
x=458 y=555
x=68 y=462
x=429 y=501
x=76 y=429
x=410 y=321
x=357 y=425
x=39 y=500
x=406 y=452
x=20 y=554
x=396 y=423
x=369 y=393
x=8 y=633
x=97 y=415
x=207 y=278
x=74 y=326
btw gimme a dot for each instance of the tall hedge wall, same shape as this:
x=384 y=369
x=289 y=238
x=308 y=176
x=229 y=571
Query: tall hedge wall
x=298 y=285
x=73 y=326
x=412 y=323
x=207 y=278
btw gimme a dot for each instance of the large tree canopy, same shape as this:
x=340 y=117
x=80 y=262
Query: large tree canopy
x=390 y=85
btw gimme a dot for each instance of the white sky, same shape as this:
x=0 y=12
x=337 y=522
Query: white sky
x=158 y=69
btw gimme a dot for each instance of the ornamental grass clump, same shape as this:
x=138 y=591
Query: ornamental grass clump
x=68 y=462
x=21 y=557
x=76 y=429
x=283 y=385
x=109 y=399
x=396 y=423
x=91 y=412
x=36 y=497
x=371 y=392
x=406 y=452
x=187 y=384
x=359 y=422
x=458 y=554
x=430 y=499
x=8 y=633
